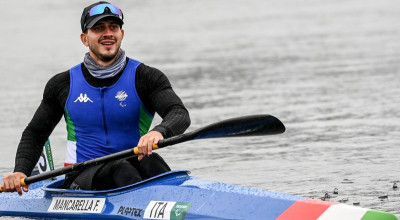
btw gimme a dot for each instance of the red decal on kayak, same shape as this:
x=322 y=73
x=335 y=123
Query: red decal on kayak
x=309 y=209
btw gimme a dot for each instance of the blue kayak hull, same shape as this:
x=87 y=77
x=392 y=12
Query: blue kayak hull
x=174 y=195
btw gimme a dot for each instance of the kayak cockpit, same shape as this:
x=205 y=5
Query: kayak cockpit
x=175 y=177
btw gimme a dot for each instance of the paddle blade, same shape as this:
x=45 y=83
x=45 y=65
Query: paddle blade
x=254 y=125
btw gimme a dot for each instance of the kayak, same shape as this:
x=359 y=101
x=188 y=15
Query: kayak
x=175 y=195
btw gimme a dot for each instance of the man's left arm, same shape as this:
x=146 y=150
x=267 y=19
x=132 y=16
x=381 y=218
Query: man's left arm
x=157 y=94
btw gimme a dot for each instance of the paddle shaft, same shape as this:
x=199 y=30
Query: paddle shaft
x=254 y=125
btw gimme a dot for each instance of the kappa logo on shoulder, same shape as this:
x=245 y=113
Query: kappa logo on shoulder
x=83 y=98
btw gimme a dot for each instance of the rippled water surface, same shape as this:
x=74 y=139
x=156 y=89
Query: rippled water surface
x=330 y=70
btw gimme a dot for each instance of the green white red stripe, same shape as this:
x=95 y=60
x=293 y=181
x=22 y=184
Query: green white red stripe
x=311 y=209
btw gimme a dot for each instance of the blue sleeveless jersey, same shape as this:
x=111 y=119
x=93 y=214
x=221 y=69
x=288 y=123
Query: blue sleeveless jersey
x=102 y=121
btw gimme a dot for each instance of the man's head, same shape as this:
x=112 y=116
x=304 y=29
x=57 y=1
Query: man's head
x=101 y=25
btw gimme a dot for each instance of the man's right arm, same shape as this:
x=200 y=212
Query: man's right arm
x=34 y=137
x=37 y=132
x=42 y=124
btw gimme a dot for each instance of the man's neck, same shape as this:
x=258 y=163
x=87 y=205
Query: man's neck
x=101 y=62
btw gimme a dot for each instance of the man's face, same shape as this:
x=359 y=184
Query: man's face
x=104 y=40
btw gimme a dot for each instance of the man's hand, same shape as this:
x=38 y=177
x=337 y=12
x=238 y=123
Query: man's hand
x=145 y=144
x=12 y=183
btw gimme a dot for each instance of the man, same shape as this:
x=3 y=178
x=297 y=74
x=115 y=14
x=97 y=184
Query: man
x=108 y=102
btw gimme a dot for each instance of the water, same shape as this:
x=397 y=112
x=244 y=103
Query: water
x=328 y=69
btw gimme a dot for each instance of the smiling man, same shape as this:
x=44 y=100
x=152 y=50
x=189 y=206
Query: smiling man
x=108 y=103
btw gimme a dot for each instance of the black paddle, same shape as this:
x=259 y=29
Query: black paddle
x=254 y=125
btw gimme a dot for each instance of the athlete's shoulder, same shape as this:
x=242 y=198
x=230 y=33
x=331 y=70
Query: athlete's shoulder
x=59 y=79
x=150 y=80
x=149 y=73
x=58 y=84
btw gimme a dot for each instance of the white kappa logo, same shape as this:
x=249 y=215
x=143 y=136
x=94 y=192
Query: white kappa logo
x=83 y=98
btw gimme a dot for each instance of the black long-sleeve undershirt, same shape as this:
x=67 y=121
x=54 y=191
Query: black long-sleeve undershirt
x=153 y=88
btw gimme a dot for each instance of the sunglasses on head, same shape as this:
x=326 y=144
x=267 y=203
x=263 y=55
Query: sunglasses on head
x=100 y=9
